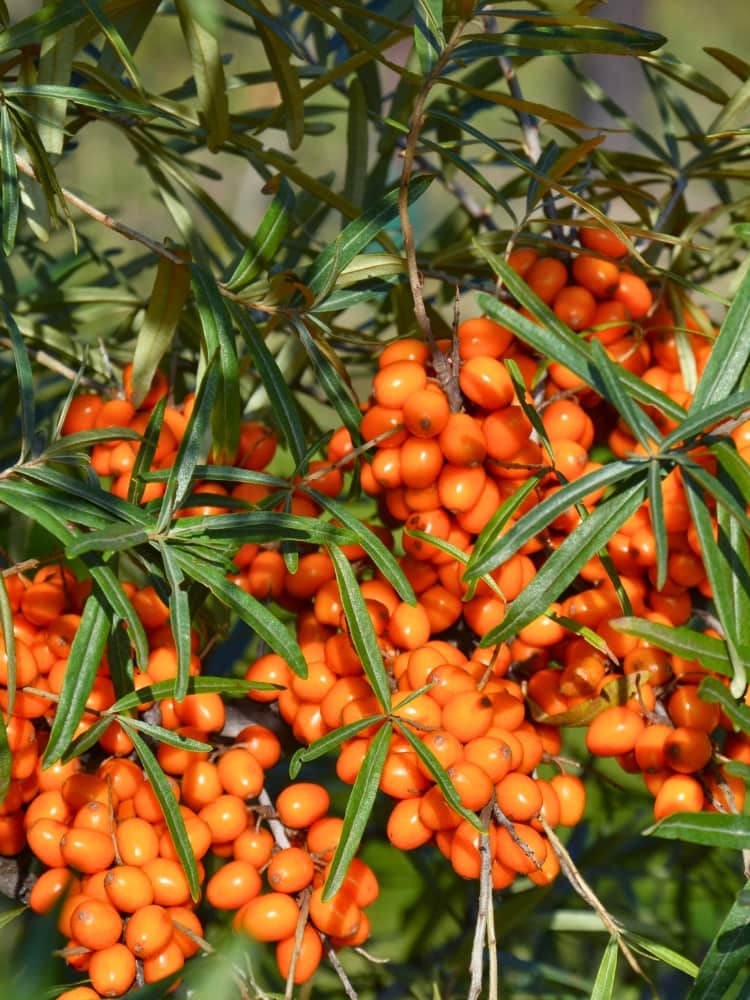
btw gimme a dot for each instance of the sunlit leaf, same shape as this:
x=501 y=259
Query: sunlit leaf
x=711 y=689
x=728 y=953
x=711 y=829
x=604 y=984
x=429 y=40
x=287 y=80
x=261 y=250
x=727 y=363
x=11 y=195
x=201 y=27
x=680 y=640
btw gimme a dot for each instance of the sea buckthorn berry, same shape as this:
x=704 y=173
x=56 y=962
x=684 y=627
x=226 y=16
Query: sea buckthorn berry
x=112 y=970
x=95 y=924
x=650 y=748
x=486 y=382
x=401 y=777
x=78 y=993
x=137 y=841
x=409 y=626
x=240 y=773
x=462 y=440
x=468 y=715
x=233 y=885
x=338 y=915
x=51 y=887
x=546 y=277
x=611 y=321
x=323 y=835
x=678 y=793
x=492 y=755
x=187 y=927
x=128 y=888
x=395 y=382
x=519 y=797
x=87 y=851
x=599 y=276
x=254 y=846
x=198 y=834
x=633 y=292
x=308 y=955
x=575 y=306
x=465 y=847
x=426 y=412
x=614 y=731
x=472 y=784
x=572 y=795
x=226 y=816
x=482 y=337
x=164 y=963
x=406 y=349
x=602 y=241
x=687 y=708
x=290 y=870
x=523 y=850
x=435 y=813
x=420 y=462
x=687 y=749
x=147 y=805
x=405 y=828
x=270 y=917
x=169 y=882
x=82 y=413
x=301 y=803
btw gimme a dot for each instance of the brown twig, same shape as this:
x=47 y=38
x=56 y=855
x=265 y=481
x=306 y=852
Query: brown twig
x=447 y=378
x=481 y=930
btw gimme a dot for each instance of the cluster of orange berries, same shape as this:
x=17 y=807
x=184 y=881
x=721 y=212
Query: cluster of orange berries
x=99 y=830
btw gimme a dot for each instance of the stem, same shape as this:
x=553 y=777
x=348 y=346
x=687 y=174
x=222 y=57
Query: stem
x=447 y=378
x=485 y=908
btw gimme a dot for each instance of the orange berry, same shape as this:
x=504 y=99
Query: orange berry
x=524 y=850
x=473 y=784
x=323 y=835
x=486 y=382
x=233 y=885
x=87 y=851
x=462 y=440
x=254 y=846
x=339 y=915
x=687 y=708
x=678 y=793
x=633 y=292
x=575 y=306
x=426 y=412
x=51 y=887
x=687 y=749
x=137 y=841
x=169 y=882
x=602 y=241
x=394 y=383
x=95 y=924
x=290 y=870
x=164 y=963
x=571 y=793
x=405 y=828
x=226 y=817
x=128 y=888
x=112 y=970
x=308 y=955
x=300 y=804
x=240 y=773
x=614 y=731
x=468 y=715
x=184 y=920
x=483 y=337
x=270 y=917
x=546 y=277
x=519 y=797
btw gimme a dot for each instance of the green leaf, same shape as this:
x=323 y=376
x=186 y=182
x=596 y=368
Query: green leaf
x=11 y=192
x=355 y=237
x=168 y=296
x=9 y=652
x=381 y=555
x=287 y=80
x=562 y=567
x=712 y=689
x=179 y=619
x=658 y=525
x=324 y=745
x=161 y=735
x=117 y=43
x=727 y=362
x=88 y=98
x=710 y=829
x=115 y=538
x=280 y=397
x=55 y=67
x=609 y=375
x=85 y=655
x=495 y=551
x=169 y=807
x=229 y=687
x=6 y=757
x=604 y=984
x=700 y=421
x=25 y=381
x=261 y=250
x=48 y=20
x=429 y=39
x=662 y=953
x=251 y=611
x=728 y=953
x=357 y=144
x=201 y=26
x=192 y=445
x=218 y=338
x=146 y=451
x=358 y=808
x=680 y=641
x=361 y=631
x=329 y=377
x=8 y=916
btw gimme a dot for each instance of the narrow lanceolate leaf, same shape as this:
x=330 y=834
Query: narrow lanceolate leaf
x=286 y=78
x=161 y=735
x=712 y=689
x=493 y=552
x=6 y=757
x=361 y=631
x=329 y=742
x=146 y=452
x=728 y=953
x=679 y=640
x=358 y=809
x=179 y=619
x=280 y=397
x=11 y=192
x=262 y=248
x=330 y=378
x=85 y=655
x=562 y=567
x=639 y=422
x=88 y=98
x=168 y=296
x=114 y=538
x=229 y=687
x=117 y=43
x=169 y=807
x=217 y=332
x=727 y=363
x=697 y=421
x=357 y=144
x=55 y=67
x=429 y=40
x=604 y=984
x=46 y=21
x=662 y=953
x=200 y=26
x=192 y=445
x=251 y=611
x=658 y=524
x=358 y=235
x=712 y=829
x=380 y=554
x=7 y=646
x=25 y=382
